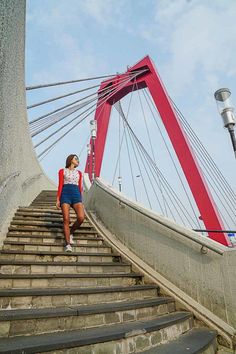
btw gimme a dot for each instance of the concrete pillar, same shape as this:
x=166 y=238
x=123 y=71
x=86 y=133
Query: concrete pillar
x=21 y=176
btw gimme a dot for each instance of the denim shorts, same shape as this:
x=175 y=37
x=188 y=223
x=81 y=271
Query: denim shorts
x=70 y=194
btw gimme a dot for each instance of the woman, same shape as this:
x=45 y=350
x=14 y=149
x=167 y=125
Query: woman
x=69 y=193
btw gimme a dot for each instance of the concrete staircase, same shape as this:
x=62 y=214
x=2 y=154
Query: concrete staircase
x=89 y=301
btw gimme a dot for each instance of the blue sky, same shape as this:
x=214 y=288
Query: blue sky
x=192 y=43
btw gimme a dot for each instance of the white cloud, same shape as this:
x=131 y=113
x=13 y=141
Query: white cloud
x=102 y=11
x=196 y=35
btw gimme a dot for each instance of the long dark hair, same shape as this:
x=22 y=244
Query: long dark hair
x=69 y=159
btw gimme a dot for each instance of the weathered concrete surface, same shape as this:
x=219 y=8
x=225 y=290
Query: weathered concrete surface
x=21 y=177
x=207 y=278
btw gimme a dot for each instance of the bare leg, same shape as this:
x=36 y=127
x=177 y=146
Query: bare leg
x=66 y=221
x=79 y=209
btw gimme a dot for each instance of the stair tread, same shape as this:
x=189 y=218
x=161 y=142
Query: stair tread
x=193 y=342
x=59 y=223
x=21 y=314
x=58 y=253
x=6 y=242
x=44 y=221
x=76 y=236
x=43 y=217
x=22 y=262
x=49 y=229
x=69 y=275
x=76 y=338
x=58 y=291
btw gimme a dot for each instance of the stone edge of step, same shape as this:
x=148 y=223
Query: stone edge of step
x=77 y=338
x=20 y=243
x=59 y=263
x=58 y=253
x=77 y=291
x=192 y=342
x=76 y=236
x=81 y=310
x=71 y=275
x=49 y=229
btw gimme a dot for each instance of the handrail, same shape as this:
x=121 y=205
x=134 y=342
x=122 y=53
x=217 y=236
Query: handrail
x=219 y=231
x=6 y=180
x=132 y=204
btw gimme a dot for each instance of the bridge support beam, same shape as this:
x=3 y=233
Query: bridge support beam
x=148 y=77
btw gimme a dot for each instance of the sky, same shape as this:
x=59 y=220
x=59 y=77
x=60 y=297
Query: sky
x=192 y=43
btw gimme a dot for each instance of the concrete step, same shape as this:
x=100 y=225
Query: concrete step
x=196 y=341
x=45 y=224
x=50 y=246
x=50 y=212
x=118 y=338
x=53 y=238
x=48 y=320
x=53 y=208
x=68 y=280
x=93 y=299
x=44 y=205
x=60 y=267
x=54 y=256
x=48 y=230
x=46 y=218
x=52 y=297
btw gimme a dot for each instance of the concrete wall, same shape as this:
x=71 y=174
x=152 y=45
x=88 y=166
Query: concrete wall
x=21 y=177
x=209 y=278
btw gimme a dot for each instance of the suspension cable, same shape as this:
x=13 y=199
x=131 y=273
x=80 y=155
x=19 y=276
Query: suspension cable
x=59 y=97
x=208 y=159
x=178 y=201
x=59 y=117
x=127 y=146
x=68 y=82
x=154 y=191
x=101 y=102
x=79 y=80
x=152 y=150
x=105 y=90
x=202 y=157
x=170 y=155
x=218 y=188
x=140 y=171
x=118 y=107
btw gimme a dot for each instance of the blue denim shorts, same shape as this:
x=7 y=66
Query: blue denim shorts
x=70 y=194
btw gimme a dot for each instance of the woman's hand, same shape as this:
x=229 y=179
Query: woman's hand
x=58 y=204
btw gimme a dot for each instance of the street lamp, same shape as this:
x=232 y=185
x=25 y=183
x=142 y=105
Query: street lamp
x=226 y=111
x=93 y=132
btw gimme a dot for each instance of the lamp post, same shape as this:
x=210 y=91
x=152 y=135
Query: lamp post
x=93 y=131
x=119 y=182
x=88 y=154
x=226 y=111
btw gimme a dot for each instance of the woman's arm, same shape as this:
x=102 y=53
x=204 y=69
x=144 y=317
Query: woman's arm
x=60 y=183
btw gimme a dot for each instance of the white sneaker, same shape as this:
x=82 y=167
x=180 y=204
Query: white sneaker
x=68 y=248
x=72 y=242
